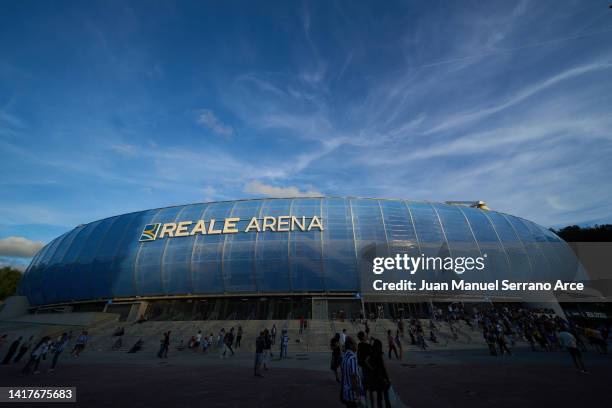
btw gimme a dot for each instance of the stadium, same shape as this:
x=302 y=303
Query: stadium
x=277 y=258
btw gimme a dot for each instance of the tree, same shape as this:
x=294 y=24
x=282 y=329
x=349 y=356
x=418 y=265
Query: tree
x=595 y=233
x=9 y=279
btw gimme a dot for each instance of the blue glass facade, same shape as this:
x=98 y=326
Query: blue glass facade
x=104 y=259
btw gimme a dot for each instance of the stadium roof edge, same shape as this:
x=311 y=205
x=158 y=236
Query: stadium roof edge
x=274 y=198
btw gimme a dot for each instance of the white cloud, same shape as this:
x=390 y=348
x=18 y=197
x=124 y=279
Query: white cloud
x=209 y=193
x=519 y=97
x=208 y=119
x=19 y=247
x=257 y=187
x=124 y=149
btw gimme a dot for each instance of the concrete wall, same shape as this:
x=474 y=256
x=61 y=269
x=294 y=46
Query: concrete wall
x=64 y=319
x=137 y=310
x=14 y=306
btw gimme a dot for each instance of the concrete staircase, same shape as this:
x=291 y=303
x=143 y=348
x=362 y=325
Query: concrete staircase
x=315 y=338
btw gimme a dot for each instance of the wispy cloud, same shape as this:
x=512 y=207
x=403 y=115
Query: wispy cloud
x=520 y=96
x=124 y=149
x=209 y=120
x=266 y=190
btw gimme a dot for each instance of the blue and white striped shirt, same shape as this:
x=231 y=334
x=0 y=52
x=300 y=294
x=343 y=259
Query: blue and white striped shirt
x=349 y=369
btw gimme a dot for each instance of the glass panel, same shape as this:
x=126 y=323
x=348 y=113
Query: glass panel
x=176 y=261
x=428 y=229
x=207 y=253
x=39 y=278
x=239 y=250
x=400 y=233
x=148 y=261
x=82 y=272
x=496 y=264
x=430 y=235
x=73 y=278
x=370 y=238
x=28 y=286
x=566 y=265
x=54 y=274
x=306 y=268
x=539 y=263
x=272 y=257
x=102 y=275
x=460 y=239
x=339 y=258
x=123 y=279
x=520 y=269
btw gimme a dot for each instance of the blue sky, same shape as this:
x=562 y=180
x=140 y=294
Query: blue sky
x=111 y=107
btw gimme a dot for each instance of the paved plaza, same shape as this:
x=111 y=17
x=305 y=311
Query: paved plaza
x=468 y=378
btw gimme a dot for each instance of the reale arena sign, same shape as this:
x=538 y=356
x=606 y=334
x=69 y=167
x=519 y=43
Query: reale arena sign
x=283 y=223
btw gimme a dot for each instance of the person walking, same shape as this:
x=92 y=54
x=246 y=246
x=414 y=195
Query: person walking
x=273 y=334
x=58 y=348
x=80 y=344
x=490 y=339
x=336 y=356
x=198 y=340
x=569 y=342
x=229 y=339
x=12 y=350
x=23 y=349
x=501 y=343
x=398 y=343
x=221 y=342
x=259 y=350
x=238 y=337
x=40 y=349
x=164 y=345
x=379 y=381
x=284 y=343
x=342 y=339
x=351 y=390
x=267 y=353
x=421 y=336
x=364 y=350
x=391 y=343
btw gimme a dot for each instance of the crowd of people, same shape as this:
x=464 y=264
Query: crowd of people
x=225 y=343
x=542 y=330
x=263 y=347
x=41 y=349
x=360 y=369
x=358 y=365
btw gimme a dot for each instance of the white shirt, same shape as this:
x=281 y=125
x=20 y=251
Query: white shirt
x=42 y=349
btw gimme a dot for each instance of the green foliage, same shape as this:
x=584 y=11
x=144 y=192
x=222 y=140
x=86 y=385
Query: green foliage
x=9 y=278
